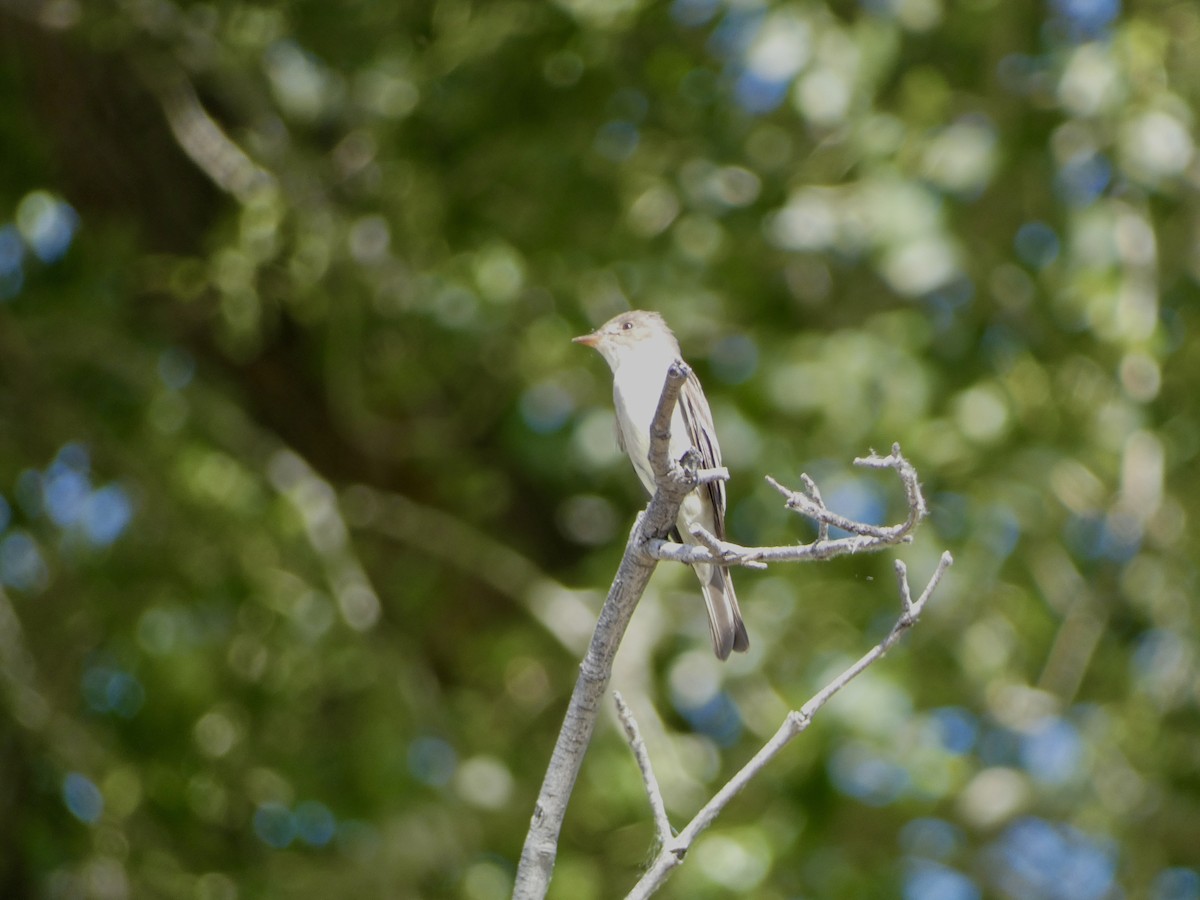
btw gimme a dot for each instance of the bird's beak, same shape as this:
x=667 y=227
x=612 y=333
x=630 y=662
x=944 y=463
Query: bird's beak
x=588 y=340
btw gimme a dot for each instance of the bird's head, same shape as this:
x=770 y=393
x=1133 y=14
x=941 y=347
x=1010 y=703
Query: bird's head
x=636 y=331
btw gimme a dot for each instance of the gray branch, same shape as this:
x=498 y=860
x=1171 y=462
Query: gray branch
x=672 y=852
x=662 y=824
x=674 y=482
x=863 y=537
x=647 y=545
x=198 y=134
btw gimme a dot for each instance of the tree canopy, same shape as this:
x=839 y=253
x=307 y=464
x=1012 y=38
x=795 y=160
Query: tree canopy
x=307 y=501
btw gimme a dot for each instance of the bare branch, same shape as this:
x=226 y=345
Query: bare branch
x=908 y=475
x=730 y=554
x=704 y=476
x=561 y=610
x=660 y=425
x=815 y=493
x=674 y=482
x=902 y=584
x=646 y=546
x=672 y=852
x=864 y=537
x=315 y=502
x=199 y=135
x=662 y=825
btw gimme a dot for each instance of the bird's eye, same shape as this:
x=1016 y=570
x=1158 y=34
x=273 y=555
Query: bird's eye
x=626 y=326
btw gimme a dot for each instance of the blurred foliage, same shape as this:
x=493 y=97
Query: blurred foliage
x=307 y=499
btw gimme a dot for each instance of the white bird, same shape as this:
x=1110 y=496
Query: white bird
x=639 y=348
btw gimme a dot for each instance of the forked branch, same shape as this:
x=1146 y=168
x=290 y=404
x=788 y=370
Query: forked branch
x=647 y=545
x=863 y=537
x=673 y=848
x=674 y=482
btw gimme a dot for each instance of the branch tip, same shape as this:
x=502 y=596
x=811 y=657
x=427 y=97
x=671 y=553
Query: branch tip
x=906 y=601
x=662 y=823
x=679 y=371
x=704 y=476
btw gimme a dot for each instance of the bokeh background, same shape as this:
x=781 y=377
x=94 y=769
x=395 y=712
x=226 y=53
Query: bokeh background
x=308 y=501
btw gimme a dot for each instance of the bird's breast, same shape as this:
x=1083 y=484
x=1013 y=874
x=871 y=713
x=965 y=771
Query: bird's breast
x=637 y=388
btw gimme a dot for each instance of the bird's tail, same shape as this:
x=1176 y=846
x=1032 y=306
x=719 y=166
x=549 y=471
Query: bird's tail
x=724 y=616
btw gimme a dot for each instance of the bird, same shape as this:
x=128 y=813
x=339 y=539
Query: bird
x=639 y=347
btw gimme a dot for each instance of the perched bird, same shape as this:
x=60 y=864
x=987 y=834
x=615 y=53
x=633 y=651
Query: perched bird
x=639 y=348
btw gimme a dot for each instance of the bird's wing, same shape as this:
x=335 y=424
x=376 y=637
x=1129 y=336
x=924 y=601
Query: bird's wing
x=697 y=419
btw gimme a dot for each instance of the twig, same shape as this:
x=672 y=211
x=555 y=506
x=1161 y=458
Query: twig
x=662 y=825
x=704 y=476
x=730 y=554
x=671 y=853
x=815 y=493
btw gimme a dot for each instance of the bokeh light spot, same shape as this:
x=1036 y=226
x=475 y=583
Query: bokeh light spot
x=958 y=729
x=931 y=838
x=432 y=761
x=1036 y=244
x=982 y=413
x=275 y=825
x=1176 y=884
x=693 y=13
x=484 y=782
x=301 y=83
x=734 y=358
x=1086 y=19
x=12 y=255
x=176 y=368
x=617 y=140
x=47 y=224
x=315 y=823
x=1083 y=179
x=563 y=68
x=107 y=689
x=736 y=864
x=1052 y=751
x=925 y=880
x=21 y=563
x=65 y=491
x=82 y=798
x=546 y=407
x=106 y=514
x=1038 y=858
x=588 y=519
x=862 y=772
